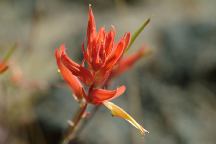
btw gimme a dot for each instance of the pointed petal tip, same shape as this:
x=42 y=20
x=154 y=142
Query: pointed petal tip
x=121 y=90
x=91 y=28
x=62 y=45
x=62 y=48
x=119 y=112
x=90 y=9
x=101 y=95
x=145 y=51
x=56 y=52
x=148 y=20
x=146 y=131
x=143 y=131
x=112 y=27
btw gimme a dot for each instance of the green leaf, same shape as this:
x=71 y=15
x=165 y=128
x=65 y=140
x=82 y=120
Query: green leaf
x=137 y=33
x=10 y=52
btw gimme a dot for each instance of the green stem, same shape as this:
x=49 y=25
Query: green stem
x=70 y=133
x=137 y=33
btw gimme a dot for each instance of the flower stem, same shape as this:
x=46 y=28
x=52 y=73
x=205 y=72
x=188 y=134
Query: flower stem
x=70 y=133
x=87 y=121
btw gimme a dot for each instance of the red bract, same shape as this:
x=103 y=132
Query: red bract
x=3 y=67
x=101 y=54
x=126 y=63
x=71 y=79
x=98 y=96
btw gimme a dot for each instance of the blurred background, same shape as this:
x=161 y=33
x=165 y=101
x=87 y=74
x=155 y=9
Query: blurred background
x=172 y=92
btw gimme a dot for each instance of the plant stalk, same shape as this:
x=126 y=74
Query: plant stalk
x=70 y=133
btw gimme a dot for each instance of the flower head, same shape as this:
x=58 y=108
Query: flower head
x=100 y=55
x=102 y=52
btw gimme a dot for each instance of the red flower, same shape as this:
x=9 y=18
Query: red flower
x=73 y=72
x=101 y=54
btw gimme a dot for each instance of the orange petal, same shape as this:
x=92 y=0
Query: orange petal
x=119 y=112
x=98 y=96
x=85 y=54
x=3 y=67
x=101 y=35
x=76 y=69
x=109 y=41
x=111 y=61
x=70 y=64
x=72 y=80
x=91 y=29
x=127 y=63
x=86 y=76
x=102 y=77
x=115 y=56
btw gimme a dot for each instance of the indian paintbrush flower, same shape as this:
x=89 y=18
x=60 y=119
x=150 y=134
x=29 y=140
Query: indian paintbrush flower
x=102 y=60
